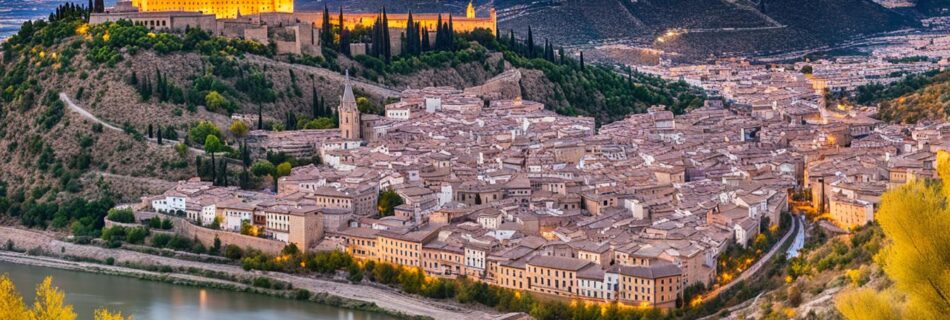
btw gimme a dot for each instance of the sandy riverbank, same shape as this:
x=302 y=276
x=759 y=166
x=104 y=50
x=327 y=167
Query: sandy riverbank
x=54 y=249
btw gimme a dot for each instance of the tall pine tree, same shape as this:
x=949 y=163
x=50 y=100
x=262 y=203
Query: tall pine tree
x=387 y=41
x=425 y=46
x=530 y=43
x=260 y=117
x=315 y=111
x=439 y=34
x=412 y=35
x=326 y=30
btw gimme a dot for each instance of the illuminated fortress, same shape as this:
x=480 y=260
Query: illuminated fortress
x=222 y=9
x=399 y=20
x=231 y=9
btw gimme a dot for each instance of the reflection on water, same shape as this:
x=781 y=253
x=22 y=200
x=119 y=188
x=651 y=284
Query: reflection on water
x=157 y=300
x=799 y=242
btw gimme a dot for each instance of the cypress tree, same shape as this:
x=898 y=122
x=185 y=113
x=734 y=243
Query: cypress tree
x=323 y=108
x=150 y=131
x=560 y=53
x=245 y=179
x=326 y=33
x=344 y=36
x=582 y=60
x=387 y=42
x=224 y=172
x=439 y=34
x=315 y=105
x=530 y=43
x=198 y=165
x=378 y=41
x=214 y=171
x=451 y=35
x=425 y=40
x=159 y=135
x=411 y=34
x=245 y=155
x=260 y=117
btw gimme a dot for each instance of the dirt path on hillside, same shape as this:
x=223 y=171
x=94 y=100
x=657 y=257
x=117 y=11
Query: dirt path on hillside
x=370 y=88
x=86 y=114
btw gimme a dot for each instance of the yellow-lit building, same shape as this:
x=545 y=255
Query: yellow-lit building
x=222 y=9
x=555 y=275
x=230 y=9
x=403 y=248
x=850 y=213
x=655 y=286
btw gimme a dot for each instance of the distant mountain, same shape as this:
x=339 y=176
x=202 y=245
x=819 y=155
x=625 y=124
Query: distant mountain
x=932 y=7
x=714 y=26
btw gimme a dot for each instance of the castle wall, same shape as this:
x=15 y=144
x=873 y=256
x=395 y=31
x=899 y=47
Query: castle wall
x=175 y=21
x=206 y=236
x=258 y=34
x=222 y=9
x=400 y=21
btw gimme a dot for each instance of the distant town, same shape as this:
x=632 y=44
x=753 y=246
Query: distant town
x=508 y=193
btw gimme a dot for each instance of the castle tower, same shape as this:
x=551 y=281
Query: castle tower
x=348 y=112
x=470 y=11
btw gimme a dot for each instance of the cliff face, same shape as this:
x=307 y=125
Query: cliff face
x=48 y=146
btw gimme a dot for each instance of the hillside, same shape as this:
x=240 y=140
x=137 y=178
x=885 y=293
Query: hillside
x=923 y=97
x=891 y=268
x=96 y=115
x=826 y=268
x=715 y=27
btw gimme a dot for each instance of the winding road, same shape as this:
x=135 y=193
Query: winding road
x=367 y=87
x=86 y=114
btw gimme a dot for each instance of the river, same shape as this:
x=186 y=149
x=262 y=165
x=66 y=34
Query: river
x=799 y=242
x=157 y=300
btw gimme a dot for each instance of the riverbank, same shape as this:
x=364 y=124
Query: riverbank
x=49 y=251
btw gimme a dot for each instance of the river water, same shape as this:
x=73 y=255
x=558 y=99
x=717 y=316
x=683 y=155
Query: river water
x=157 y=300
x=799 y=241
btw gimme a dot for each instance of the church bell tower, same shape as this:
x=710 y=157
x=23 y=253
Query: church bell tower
x=349 y=113
x=470 y=11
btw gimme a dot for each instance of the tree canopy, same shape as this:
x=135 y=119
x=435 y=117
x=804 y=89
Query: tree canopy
x=915 y=218
x=50 y=304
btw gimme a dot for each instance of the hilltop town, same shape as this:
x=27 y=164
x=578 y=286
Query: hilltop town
x=513 y=195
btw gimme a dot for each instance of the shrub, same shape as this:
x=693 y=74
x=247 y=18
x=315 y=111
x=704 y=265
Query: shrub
x=302 y=294
x=136 y=235
x=116 y=233
x=179 y=243
x=261 y=282
x=121 y=215
x=161 y=240
x=233 y=252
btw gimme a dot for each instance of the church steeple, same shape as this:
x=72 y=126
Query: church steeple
x=349 y=113
x=470 y=11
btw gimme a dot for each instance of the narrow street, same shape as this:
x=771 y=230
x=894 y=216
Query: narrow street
x=796 y=225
